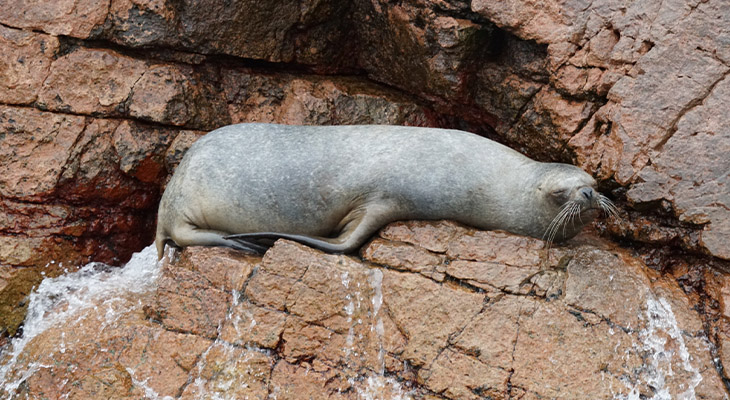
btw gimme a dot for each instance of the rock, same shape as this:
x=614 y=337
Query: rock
x=414 y=47
x=299 y=322
x=695 y=185
x=231 y=372
x=193 y=298
x=313 y=100
x=287 y=32
x=78 y=18
x=98 y=103
x=120 y=85
x=406 y=257
x=140 y=150
x=24 y=64
x=451 y=56
x=75 y=189
x=107 y=79
x=35 y=150
x=176 y=95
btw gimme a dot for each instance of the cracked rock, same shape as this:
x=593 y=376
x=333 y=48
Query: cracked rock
x=300 y=322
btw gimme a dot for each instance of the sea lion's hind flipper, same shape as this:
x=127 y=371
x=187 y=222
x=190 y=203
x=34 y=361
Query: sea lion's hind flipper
x=249 y=246
x=258 y=239
x=356 y=227
x=189 y=235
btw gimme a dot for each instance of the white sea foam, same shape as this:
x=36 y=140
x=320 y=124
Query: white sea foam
x=661 y=362
x=64 y=298
x=376 y=282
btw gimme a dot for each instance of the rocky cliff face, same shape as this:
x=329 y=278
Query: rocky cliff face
x=99 y=100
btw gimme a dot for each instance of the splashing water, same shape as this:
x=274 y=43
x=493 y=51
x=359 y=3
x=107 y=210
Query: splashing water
x=376 y=387
x=661 y=323
x=349 y=310
x=63 y=299
x=109 y=293
x=375 y=279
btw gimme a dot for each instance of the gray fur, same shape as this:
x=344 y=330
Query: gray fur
x=332 y=187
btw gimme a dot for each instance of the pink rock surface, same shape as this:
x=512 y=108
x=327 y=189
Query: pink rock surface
x=593 y=322
x=100 y=100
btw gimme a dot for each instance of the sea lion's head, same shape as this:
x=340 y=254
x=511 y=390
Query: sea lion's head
x=568 y=200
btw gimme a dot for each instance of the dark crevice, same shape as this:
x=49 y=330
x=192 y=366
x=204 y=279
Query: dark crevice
x=464 y=285
x=191 y=57
x=576 y=311
x=99 y=115
x=716 y=360
x=710 y=313
x=510 y=387
x=524 y=108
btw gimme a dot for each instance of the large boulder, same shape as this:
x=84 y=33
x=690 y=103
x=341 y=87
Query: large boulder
x=432 y=310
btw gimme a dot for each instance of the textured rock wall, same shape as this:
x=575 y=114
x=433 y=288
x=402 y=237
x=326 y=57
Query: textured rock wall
x=430 y=311
x=90 y=129
x=629 y=93
x=99 y=100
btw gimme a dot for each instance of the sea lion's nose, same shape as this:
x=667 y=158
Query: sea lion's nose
x=587 y=193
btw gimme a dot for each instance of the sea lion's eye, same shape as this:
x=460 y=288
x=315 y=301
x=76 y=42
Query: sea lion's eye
x=559 y=192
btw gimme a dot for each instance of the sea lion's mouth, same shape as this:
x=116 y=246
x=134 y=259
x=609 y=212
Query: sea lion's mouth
x=590 y=212
x=570 y=212
x=579 y=211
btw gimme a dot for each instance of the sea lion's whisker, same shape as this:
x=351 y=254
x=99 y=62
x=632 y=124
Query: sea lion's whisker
x=612 y=208
x=607 y=206
x=576 y=213
x=560 y=223
x=554 y=223
x=548 y=235
x=566 y=217
x=571 y=215
x=559 y=219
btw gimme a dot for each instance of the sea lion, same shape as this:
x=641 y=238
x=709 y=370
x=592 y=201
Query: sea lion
x=332 y=187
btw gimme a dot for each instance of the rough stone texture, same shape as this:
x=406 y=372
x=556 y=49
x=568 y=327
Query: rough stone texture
x=317 y=33
x=299 y=323
x=24 y=63
x=696 y=185
x=107 y=79
x=65 y=17
x=461 y=62
x=93 y=134
x=100 y=100
x=616 y=88
x=314 y=33
x=312 y=100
